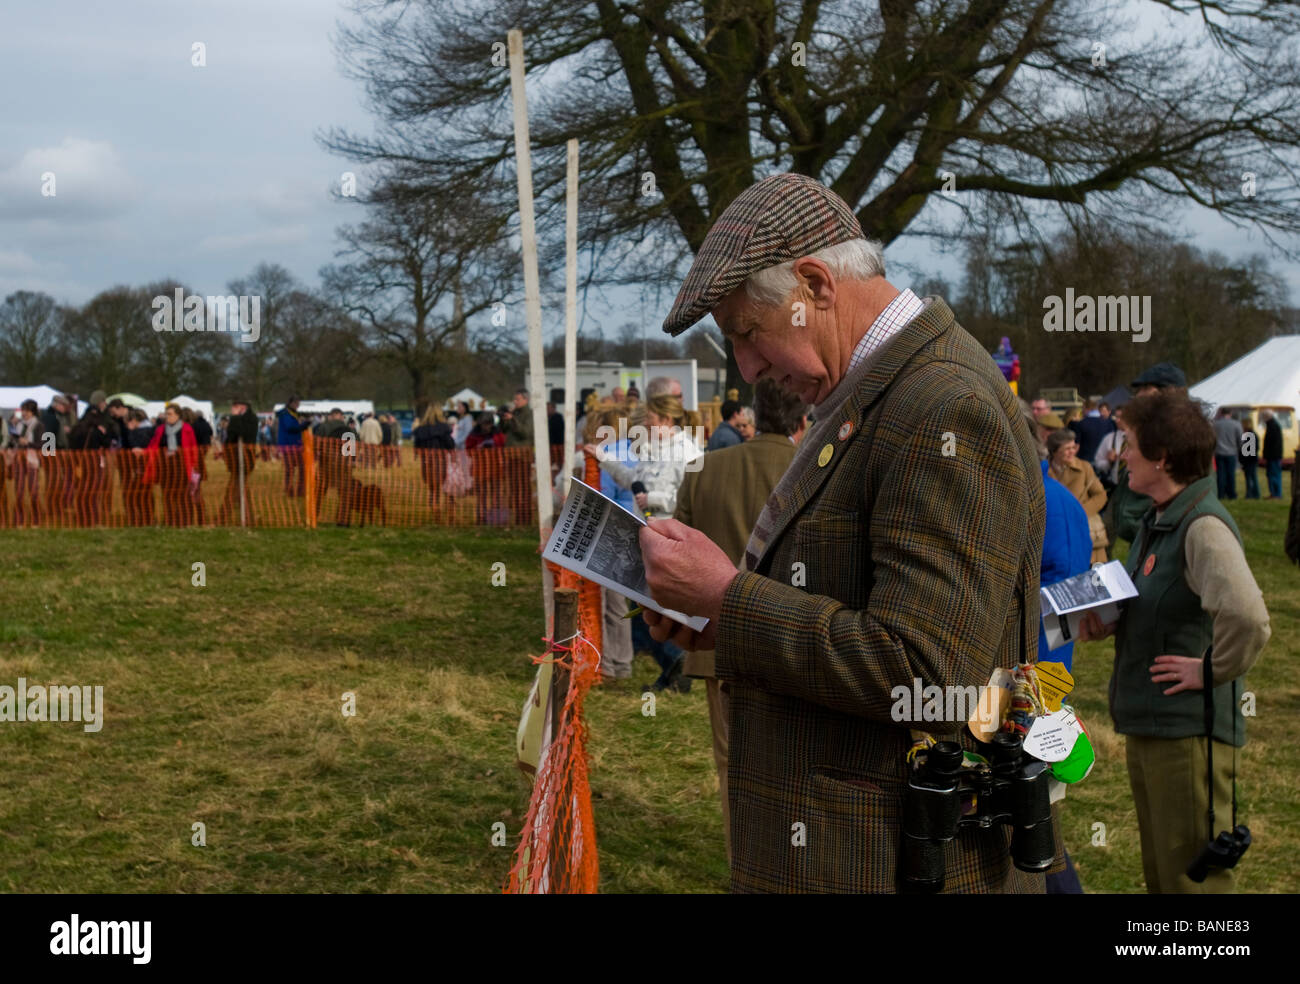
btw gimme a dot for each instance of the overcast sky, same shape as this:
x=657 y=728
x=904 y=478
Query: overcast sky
x=164 y=169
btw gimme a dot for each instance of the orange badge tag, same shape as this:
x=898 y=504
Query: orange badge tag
x=846 y=429
x=1150 y=565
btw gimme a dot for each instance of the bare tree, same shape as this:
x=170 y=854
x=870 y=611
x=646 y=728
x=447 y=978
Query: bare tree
x=102 y=337
x=896 y=104
x=29 y=330
x=407 y=263
x=254 y=361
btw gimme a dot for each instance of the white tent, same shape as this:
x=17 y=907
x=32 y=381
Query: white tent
x=475 y=400
x=354 y=408
x=11 y=397
x=1266 y=376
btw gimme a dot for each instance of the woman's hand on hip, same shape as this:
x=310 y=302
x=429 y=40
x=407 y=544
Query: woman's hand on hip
x=1185 y=672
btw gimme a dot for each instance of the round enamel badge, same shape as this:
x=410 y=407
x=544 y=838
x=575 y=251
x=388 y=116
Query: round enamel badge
x=846 y=429
x=1149 y=566
x=825 y=455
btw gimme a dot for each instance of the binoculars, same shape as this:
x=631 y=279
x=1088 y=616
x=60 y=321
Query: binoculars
x=1222 y=852
x=1011 y=789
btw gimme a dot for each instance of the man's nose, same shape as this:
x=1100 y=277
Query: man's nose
x=747 y=360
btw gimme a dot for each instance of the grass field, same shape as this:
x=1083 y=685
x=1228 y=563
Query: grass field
x=223 y=706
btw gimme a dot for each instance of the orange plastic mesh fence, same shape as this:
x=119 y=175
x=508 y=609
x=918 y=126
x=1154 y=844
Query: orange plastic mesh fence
x=327 y=481
x=557 y=848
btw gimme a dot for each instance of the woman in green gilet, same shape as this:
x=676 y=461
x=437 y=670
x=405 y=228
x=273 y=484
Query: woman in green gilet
x=1194 y=589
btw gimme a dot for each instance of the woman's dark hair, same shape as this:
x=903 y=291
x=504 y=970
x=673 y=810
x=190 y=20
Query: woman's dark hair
x=30 y=405
x=1171 y=425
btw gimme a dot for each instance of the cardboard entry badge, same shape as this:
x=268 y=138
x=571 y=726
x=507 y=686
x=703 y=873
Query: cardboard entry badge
x=995 y=698
x=1054 y=683
x=1052 y=737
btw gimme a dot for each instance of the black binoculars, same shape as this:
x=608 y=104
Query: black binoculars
x=1222 y=852
x=1011 y=789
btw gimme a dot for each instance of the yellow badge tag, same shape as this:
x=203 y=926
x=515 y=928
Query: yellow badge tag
x=1054 y=683
x=825 y=456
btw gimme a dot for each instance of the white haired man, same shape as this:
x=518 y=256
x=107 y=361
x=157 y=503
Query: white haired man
x=902 y=544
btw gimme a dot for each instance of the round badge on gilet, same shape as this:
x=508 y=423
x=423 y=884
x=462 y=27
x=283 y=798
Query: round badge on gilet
x=1149 y=566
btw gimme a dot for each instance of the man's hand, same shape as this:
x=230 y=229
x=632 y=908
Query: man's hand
x=1185 y=671
x=688 y=572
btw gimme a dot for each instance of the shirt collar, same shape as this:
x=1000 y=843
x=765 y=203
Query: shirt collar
x=893 y=319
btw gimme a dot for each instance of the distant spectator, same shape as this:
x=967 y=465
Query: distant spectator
x=203 y=437
x=464 y=424
x=372 y=436
x=1272 y=453
x=1105 y=462
x=484 y=443
x=433 y=441
x=28 y=441
x=728 y=433
x=1078 y=476
x=289 y=428
x=1040 y=407
x=1248 y=456
x=746 y=426
x=89 y=441
x=1090 y=429
x=239 y=452
x=517 y=423
x=58 y=419
x=173 y=462
x=663 y=386
x=554 y=425
x=137 y=498
x=1227 y=445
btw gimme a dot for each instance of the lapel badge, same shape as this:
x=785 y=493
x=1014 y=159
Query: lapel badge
x=846 y=429
x=1149 y=566
x=825 y=456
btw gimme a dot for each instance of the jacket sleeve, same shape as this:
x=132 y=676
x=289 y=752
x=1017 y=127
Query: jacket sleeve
x=619 y=472
x=947 y=537
x=1217 y=571
x=1094 y=496
x=683 y=511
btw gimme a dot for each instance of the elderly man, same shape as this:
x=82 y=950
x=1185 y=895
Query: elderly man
x=663 y=386
x=901 y=546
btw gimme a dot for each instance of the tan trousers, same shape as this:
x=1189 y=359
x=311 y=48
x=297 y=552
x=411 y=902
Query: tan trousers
x=718 y=709
x=1167 y=776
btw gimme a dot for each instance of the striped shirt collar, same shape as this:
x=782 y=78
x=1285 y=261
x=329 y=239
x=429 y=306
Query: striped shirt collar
x=888 y=323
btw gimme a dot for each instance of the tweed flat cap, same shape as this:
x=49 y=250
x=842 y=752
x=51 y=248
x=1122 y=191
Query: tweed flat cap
x=773 y=221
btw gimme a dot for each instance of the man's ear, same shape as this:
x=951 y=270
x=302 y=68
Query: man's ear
x=816 y=282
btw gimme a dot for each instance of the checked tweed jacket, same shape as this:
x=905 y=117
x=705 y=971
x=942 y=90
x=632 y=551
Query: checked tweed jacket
x=920 y=542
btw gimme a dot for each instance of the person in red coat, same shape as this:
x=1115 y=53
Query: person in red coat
x=173 y=462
